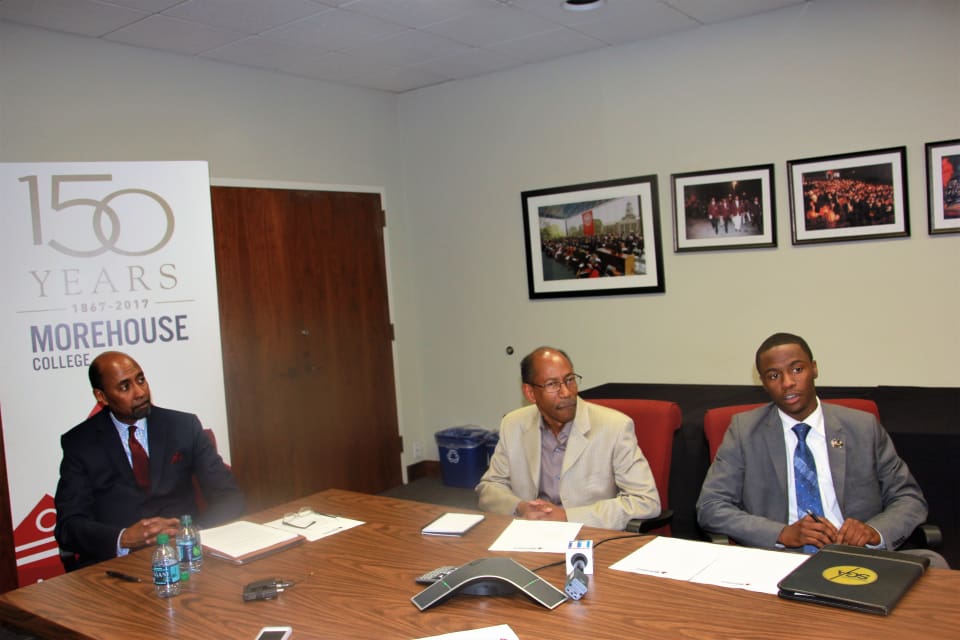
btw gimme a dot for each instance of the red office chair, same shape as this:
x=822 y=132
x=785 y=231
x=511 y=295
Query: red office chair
x=655 y=422
x=717 y=420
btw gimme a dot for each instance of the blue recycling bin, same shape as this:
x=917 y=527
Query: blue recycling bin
x=462 y=455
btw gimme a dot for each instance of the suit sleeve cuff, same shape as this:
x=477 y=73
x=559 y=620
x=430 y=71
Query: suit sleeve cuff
x=121 y=551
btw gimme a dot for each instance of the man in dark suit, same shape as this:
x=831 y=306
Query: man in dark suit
x=866 y=494
x=104 y=507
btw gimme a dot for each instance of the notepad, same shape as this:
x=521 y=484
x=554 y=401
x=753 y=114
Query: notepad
x=452 y=524
x=241 y=541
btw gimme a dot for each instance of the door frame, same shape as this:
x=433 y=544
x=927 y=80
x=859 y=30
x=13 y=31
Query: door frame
x=343 y=188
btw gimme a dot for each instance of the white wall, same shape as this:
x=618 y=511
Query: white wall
x=823 y=78
x=828 y=77
x=65 y=98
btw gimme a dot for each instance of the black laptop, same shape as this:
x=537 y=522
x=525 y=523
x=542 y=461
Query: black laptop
x=868 y=580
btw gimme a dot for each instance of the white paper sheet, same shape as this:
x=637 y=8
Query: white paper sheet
x=499 y=632
x=240 y=538
x=546 y=536
x=751 y=569
x=707 y=563
x=316 y=525
x=672 y=558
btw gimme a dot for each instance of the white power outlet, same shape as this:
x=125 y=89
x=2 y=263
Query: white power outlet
x=417 y=451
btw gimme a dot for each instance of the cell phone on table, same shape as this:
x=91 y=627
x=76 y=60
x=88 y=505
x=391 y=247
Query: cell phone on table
x=275 y=633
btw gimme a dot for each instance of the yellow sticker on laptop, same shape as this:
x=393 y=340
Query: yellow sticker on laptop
x=850 y=575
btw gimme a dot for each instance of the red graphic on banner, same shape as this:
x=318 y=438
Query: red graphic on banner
x=587 y=222
x=38 y=556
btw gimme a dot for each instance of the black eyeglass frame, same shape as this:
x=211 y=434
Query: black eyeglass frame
x=571 y=382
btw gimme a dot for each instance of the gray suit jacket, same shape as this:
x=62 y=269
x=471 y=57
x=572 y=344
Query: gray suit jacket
x=605 y=480
x=744 y=495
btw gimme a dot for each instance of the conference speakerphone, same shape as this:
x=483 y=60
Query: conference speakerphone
x=490 y=576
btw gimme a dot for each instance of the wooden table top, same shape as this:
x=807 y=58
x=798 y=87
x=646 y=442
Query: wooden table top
x=358 y=584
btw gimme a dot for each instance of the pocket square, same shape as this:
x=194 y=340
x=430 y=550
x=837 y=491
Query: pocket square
x=177 y=457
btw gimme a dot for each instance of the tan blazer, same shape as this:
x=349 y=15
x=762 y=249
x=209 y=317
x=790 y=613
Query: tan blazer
x=605 y=480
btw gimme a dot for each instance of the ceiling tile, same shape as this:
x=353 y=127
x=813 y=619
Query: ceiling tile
x=549 y=45
x=415 y=13
x=388 y=44
x=630 y=23
x=553 y=10
x=245 y=16
x=173 y=34
x=494 y=23
x=334 y=29
x=255 y=51
x=84 y=17
x=409 y=47
x=147 y=6
x=706 y=11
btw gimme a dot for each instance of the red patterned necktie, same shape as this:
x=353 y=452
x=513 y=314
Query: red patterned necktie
x=141 y=463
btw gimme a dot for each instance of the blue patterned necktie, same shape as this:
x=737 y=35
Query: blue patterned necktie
x=805 y=478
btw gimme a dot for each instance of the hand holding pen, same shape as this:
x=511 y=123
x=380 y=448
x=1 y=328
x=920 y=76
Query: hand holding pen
x=817 y=530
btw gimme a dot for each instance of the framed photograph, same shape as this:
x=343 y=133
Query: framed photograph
x=724 y=209
x=853 y=196
x=594 y=239
x=943 y=186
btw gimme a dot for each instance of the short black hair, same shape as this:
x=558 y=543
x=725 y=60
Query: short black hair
x=95 y=375
x=780 y=339
x=526 y=365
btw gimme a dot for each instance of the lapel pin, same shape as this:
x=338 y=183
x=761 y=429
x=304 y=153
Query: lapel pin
x=836 y=443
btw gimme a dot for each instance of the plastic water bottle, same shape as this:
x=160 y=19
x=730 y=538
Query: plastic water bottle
x=166 y=568
x=188 y=545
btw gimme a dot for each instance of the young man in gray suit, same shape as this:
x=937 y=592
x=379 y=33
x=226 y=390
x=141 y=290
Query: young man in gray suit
x=565 y=459
x=863 y=493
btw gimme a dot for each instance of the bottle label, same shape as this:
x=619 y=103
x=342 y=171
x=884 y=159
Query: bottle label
x=166 y=574
x=189 y=552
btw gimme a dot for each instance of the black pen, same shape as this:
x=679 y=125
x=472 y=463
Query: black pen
x=814 y=516
x=123 y=576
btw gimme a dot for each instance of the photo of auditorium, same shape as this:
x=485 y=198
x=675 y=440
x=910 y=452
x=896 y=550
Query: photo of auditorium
x=592 y=239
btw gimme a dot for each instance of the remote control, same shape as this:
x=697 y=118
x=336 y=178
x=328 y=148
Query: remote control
x=436 y=574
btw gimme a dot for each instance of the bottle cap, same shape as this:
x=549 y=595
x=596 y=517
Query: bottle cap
x=163 y=538
x=186 y=519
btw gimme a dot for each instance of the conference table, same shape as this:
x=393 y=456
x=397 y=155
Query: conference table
x=358 y=584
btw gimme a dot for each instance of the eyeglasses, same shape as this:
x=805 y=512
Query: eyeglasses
x=300 y=519
x=553 y=386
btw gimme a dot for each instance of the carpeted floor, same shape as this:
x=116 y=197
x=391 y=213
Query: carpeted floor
x=433 y=490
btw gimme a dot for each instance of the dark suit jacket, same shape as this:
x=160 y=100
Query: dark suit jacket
x=97 y=495
x=744 y=495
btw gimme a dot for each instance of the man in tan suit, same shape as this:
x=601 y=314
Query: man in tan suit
x=562 y=458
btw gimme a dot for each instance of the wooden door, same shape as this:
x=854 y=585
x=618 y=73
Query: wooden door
x=307 y=342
